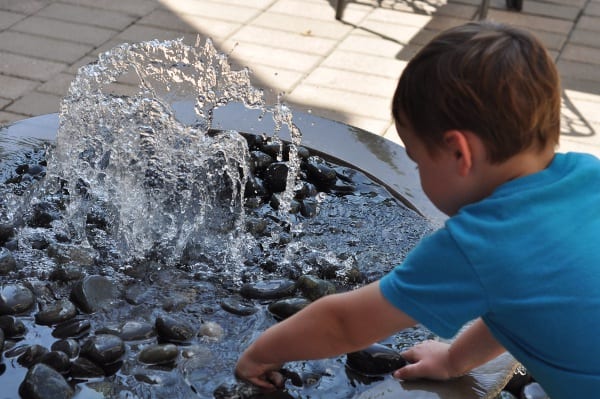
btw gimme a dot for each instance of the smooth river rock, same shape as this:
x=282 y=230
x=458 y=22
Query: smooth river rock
x=94 y=292
x=374 y=360
x=43 y=382
x=15 y=298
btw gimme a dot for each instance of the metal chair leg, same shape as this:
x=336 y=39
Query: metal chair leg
x=483 y=9
x=339 y=9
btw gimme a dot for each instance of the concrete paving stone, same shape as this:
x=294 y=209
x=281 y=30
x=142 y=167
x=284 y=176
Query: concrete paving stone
x=592 y=9
x=35 y=103
x=4 y=102
x=251 y=54
x=569 y=144
x=442 y=22
x=130 y=7
x=364 y=63
x=14 y=88
x=401 y=34
x=398 y=17
x=552 y=41
x=212 y=9
x=323 y=10
x=544 y=24
x=272 y=80
x=375 y=126
x=87 y=15
x=41 y=47
x=370 y=44
x=70 y=31
x=260 y=4
x=23 y=6
x=9 y=18
x=573 y=52
x=207 y=27
x=7 y=118
x=340 y=100
x=307 y=44
x=457 y=10
x=589 y=94
x=74 y=68
x=587 y=22
x=309 y=26
x=580 y=87
x=543 y=8
x=58 y=85
x=119 y=89
x=353 y=15
x=578 y=70
x=356 y=82
x=588 y=110
x=139 y=33
x=27 y=67
x=585 y=37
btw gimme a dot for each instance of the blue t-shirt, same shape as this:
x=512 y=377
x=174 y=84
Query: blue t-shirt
x=527 y=261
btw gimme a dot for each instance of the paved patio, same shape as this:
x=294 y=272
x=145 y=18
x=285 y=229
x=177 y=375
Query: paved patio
x=344 y=70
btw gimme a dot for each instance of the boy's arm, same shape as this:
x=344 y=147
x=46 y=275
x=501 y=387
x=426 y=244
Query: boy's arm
x=437 y=360
x=330 y=326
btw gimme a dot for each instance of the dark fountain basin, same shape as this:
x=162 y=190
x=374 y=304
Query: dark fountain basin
x=381 y=160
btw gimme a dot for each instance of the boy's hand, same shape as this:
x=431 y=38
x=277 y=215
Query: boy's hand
x=429 y=359
x=262 y=375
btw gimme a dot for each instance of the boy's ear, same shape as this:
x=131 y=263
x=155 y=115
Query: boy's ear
x=458 y=143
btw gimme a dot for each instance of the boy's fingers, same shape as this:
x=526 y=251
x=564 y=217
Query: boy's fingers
x=408 y=372
x=276 y=378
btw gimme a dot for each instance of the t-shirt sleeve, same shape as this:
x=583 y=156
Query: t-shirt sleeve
x=436 y=286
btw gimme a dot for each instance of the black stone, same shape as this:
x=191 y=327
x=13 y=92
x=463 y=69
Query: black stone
x=272 y=289
x=82 y=368
x=7 y=262
x=12 y=327
x=260 y=160
x=314 y=288
x=43 y=382
x=174 y=330
x=56 y=312
x=275 y=176
x=321 y=174
x=72 y=328
x=93 y=293
x=15 y=298
x=32 y=355
x=68 y=346
x=43 y=214
x=308 y=208
x=237 y=307
x=136 y=330
x=103 y=349
x=58 y=360
x=7 y=232
x=285 y=308
x=159 y=354
x=374 y=360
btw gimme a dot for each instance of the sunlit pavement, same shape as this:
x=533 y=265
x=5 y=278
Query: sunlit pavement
x=344 y=69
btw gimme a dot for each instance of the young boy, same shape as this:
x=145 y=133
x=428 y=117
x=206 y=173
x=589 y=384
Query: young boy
x=478 y=110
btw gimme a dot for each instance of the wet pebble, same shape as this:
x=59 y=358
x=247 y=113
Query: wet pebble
x=43 y=214
x=235 y=306
x=32 y=355
x=309 y=208
x=12 y=326
x=82 y=368
x=68 y=346
x=1 y=340
x=94 y=292
x=320 y=173
x=7 y=262
x=212 y=330
x=260 y=160
x=103 y=349
x=314 y=288
x=271 y=289
x=43 y=382
x=374 y=360
x=136 y=330
x=275 y=176
x=58 y=360
x=7 y=232
x=174 y=330
x=285 y=308
x=159 y=354
x=66 y=273
x=57 y=312
x=15 y=298
x=72 y=328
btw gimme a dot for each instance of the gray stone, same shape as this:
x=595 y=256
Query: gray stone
x=43 y=382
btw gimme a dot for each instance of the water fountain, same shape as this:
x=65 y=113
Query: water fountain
x=153 y=241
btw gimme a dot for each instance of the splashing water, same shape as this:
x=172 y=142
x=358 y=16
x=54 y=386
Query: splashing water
x=163 y=183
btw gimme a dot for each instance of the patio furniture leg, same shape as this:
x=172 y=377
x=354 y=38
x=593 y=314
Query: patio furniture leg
x=339 y=9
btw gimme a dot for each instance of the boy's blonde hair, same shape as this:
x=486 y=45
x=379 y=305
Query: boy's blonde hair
x=494 y=80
